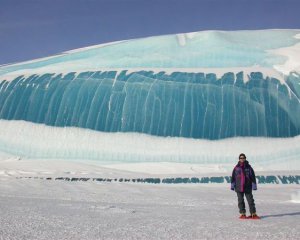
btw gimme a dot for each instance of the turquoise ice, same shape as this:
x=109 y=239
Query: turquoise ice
x=214 y=49
x=193 y=105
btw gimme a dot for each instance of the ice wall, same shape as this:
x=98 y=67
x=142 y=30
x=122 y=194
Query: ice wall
x=179 y=104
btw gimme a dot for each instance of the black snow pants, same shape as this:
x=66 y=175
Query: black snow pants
x=241 y=202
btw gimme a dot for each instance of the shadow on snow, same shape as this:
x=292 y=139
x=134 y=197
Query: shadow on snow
x=280 y=215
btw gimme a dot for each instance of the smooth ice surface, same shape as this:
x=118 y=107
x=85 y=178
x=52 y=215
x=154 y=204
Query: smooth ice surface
x=205 y=49
x=36 y=141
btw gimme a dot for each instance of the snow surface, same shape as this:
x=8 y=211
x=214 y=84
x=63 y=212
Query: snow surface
x=41 y=209
x=292 y=53
x=48 y=209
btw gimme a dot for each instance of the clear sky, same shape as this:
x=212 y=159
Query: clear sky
x=31 y=29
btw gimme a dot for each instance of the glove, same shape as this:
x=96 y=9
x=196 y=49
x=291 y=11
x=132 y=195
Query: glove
x=232 y=186
x=254 y=186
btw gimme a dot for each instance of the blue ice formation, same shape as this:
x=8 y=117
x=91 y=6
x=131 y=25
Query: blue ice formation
x=193 y=105
x=205 y=49
x=270 y=179
x=181 y=103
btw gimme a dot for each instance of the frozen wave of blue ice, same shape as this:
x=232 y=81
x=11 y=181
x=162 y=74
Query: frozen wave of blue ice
x=180 y=104
x=117 y=87
x=185 y=90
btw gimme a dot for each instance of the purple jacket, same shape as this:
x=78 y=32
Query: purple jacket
x=243 y=178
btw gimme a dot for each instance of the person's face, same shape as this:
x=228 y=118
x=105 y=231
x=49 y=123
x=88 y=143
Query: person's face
x=242 y=159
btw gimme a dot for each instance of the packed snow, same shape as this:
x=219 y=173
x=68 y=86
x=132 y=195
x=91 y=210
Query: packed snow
x=42 y=209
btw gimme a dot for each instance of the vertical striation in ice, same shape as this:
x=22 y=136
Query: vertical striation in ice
x=181 y=104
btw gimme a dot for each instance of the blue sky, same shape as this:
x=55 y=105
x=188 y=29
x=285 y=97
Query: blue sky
x=31 y=29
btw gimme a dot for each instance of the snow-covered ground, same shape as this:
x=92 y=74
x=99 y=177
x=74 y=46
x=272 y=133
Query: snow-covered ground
x=48 y=209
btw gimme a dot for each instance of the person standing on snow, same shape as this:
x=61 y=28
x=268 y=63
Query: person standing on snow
x=243 y=181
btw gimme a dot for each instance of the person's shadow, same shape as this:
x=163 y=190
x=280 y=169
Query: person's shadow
x=280 y=215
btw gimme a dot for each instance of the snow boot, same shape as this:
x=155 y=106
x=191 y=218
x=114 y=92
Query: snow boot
x=253 y=216
x=243 y=216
